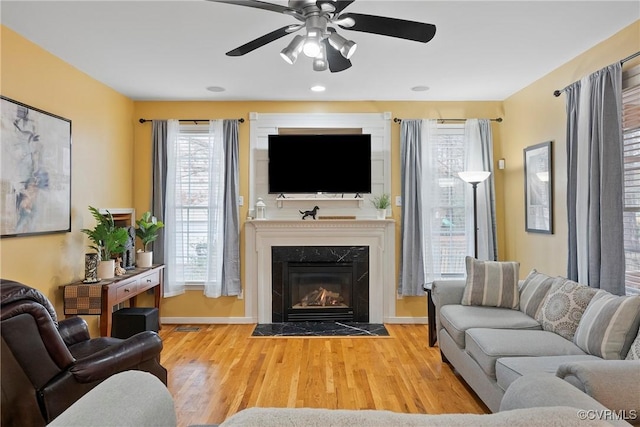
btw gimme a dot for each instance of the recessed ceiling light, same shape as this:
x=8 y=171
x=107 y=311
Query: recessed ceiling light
x=216 y=89
x=420 y=88
x=318 y=88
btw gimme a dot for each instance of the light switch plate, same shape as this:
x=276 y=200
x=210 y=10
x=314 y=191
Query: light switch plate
x=398 y=200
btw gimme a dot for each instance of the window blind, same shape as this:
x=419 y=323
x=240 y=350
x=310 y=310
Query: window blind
x=631 y=153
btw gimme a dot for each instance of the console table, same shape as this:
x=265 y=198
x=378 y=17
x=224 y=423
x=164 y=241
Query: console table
x=100 y=298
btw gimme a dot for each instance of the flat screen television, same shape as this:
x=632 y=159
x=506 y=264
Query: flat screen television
x=319 y=164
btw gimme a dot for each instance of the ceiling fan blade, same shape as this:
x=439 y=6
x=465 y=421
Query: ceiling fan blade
x=338 y=5
x=392 y=27
x=260 y=41
x=336 y=61
x=258 y=5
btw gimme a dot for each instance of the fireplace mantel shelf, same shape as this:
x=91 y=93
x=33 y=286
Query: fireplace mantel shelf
x=320 y=223
x=377 y=234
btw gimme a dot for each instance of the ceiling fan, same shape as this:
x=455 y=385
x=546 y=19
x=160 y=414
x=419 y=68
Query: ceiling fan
x=322 y=41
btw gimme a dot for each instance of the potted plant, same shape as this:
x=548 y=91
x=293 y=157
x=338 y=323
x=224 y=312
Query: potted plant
x=381 y=203
x=107 y=240
x=147 y=232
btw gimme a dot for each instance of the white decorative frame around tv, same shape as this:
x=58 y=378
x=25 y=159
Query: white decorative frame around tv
x=378 y=125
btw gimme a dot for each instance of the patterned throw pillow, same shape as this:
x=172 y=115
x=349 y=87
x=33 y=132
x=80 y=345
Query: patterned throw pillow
x=609 y=325
x=491 y=283
x=563 y=307
x=533 y=291
x=634 y=351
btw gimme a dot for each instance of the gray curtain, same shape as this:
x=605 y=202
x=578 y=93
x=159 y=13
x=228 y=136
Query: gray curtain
x=159 y=183
x=595 y=180
x=231 y=258
x=412 y=271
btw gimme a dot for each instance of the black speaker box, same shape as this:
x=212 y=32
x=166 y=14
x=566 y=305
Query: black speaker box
x=130 y=321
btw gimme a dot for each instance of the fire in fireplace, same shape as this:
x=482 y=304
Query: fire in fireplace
x=319 y=291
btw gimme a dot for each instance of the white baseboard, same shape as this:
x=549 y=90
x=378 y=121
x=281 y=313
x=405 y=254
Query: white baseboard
x=250 y=320
x=207 y=320
x=407 y=320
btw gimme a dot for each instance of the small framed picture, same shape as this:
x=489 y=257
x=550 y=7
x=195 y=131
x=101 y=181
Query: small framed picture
x=538 y=188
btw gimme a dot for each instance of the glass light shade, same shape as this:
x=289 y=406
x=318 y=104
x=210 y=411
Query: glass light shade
x=320 y=62
x=291 y=52
x=474 y=176
x=312 y=46
x=349 y=49
x=346 y=47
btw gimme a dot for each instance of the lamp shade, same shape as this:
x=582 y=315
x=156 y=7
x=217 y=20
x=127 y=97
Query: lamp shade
x=474 y=176
x=290 y=53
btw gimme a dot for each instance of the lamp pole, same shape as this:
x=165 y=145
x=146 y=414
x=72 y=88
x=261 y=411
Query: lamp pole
x=474 y=178
x=475 y=218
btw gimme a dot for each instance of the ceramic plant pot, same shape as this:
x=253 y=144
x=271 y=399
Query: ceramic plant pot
x=144 y=259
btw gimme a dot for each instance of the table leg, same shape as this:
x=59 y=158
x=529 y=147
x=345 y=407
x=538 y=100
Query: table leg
x=431 y=316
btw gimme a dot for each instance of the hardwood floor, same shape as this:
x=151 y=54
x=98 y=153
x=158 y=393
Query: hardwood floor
x=218 y=370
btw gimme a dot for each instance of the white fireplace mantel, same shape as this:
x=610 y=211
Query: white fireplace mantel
x=262 y=235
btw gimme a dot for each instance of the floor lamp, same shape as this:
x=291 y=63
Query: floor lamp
x=474 y=178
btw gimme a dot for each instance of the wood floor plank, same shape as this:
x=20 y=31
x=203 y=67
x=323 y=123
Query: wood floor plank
x=218 y=370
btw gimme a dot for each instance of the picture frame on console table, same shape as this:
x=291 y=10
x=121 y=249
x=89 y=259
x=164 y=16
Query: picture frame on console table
x=538 y=188
x=35 y=171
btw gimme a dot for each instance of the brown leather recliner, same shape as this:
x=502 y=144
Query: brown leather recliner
x=47 y=365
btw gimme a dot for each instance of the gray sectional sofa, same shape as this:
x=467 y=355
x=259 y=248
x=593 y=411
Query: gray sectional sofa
x=493 y=329
x=138 y=399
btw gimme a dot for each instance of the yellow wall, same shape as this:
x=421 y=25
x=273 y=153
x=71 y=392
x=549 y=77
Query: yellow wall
x=534 y=115
x=111 y=160
x=193 y=303
x=102 y=161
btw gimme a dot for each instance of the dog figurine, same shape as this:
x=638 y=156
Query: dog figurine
x=312 y=213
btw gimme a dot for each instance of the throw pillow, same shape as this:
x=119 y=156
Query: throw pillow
x=609 y=325
x=563 y=307
x=533 y=291
x=491 y=283
x=634 y=351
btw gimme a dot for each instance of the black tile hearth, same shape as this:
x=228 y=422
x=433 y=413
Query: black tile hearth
x=320 y=329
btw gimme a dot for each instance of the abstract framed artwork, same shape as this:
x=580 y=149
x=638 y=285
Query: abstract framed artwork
x=538 y=188
x=35 y=172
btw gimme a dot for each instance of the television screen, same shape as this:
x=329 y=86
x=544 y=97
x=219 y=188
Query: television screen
x=319 y=163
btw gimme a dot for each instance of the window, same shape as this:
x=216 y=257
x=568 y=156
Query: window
x=449 y=231
x=631 y=153
x=195 y=162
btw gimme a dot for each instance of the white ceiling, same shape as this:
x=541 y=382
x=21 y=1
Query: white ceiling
x=174 y=50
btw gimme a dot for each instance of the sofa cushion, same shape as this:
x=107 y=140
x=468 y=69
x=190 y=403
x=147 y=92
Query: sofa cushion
x=486 y=346
x=533 y=291
x=509 y=369
x=609 y=325
x=456 y=319
x=634 y=351
x=491 y=283
x=563 y=307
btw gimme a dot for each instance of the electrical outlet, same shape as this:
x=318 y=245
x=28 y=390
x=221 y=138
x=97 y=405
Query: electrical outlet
x=398 y=200
x=240 y=201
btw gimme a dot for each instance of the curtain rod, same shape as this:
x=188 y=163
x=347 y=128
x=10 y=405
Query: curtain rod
x=499 y=120
x=557 y=93
x=241 y=120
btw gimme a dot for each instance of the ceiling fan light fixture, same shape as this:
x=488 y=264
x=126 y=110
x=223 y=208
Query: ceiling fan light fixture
x=291 y=52
x=346 y=47
x=312 y=46
x=320 y=62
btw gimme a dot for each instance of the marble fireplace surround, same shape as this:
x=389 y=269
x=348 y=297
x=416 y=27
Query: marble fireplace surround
x=262 y=235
